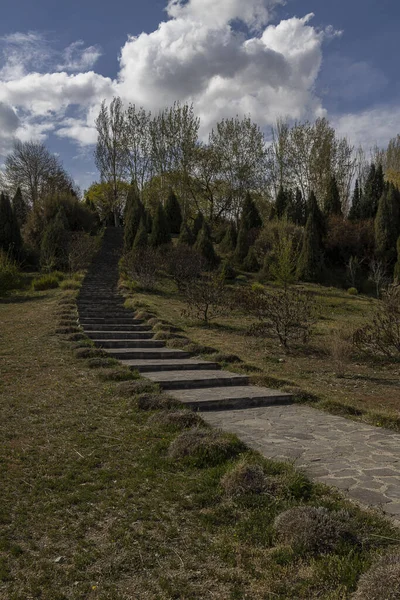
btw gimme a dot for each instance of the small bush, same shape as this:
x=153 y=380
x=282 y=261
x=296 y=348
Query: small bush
x=9 y=273
x=102 y=363
x=227 y=271
x=340 y=348
x=184 y=265
x=142 y=266
x=76 y=337
x=89 y=353
x=133 y=388
x=143 y=315
x=154 y=321
x=205 y=448
x=154 y=401
x=45 y=282
x=179 y=419
x=312 y=530
x=117 y=374
x=226 y=358
x=206 y=298
x=70 y=284
x=244 y=478
x=352 y=291
x=382 y=581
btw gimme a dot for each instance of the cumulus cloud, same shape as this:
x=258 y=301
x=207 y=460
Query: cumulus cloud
x=370 y=127
x=198 y=55
x=20 y=52
x=78 y=58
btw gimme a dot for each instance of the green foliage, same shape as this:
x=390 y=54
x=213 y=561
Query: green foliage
x=251 y=263
x=204 y=246
x=134 y=213
x=397 y=265
x=310 y=261
x=141 y=238
x=53 y=249
x=387 y=225
x=205 y=448
x=198 y=224
x=9 y=273
x=282 y=261
x=296 y=210
x=160 y=234
x=314 y=210
x=374 y=188
x=282 y=201
x=228 y=243
x=332 y=205
x=10 y=237
x=20 y=208
x=45 y=282
x=250 y=215
x=355 y=210
x=186 y=237
x=227 y=271
x=352 y=291
x=242 y=245
x=173 y=213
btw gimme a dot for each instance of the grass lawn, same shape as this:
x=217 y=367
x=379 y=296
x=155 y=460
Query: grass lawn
x=369 y=389
x=92 y=507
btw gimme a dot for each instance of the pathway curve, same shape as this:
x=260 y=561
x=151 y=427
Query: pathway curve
x=362 y=460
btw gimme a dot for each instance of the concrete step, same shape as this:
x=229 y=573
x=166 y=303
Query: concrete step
x=187 y=380
x=121 y=335
x=118 y=314
x=231 y=398
x=189 y=364
x=146 y=353
x=105 y=327
x=140 y=343
x=109 y=321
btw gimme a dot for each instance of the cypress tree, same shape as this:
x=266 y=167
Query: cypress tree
x=298 y=211
x=281 y=203
x=20 y=208
x=53 y=251
x=374 y=188
x=332 y=205
x=387 y=225
x=205 y=247
x=229 y=240
x=10 y=237
x=198 y=224
x=251 y=263
x=173 y=212
x=160 y=234
x=141 y=238
x=242 y=245
x=397 y=265
x=250 y=215
x=186 y=236
x=355 y=210
x=310 y=260
x=134 y=212
x=314 y=210
x=149 y=221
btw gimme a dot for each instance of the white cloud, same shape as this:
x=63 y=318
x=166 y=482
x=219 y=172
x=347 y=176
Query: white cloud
x=198 y=56
x=371 y=127
x=78 y=58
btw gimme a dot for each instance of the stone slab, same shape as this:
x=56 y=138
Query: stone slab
x=172 y=380
x=175 y=364
x=230 y=398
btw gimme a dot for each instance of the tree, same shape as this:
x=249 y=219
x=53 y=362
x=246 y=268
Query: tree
x=242 y=245
x=296 y=210
x=250 y=215
x=186 y=236
x=374 y=188
x=387 y=225
x=111 y=153
x=281 y=203
x=10 y=237
x=134 y=214
x=33 y=168
x=355 y=209
x=160 y=234
x=314 y=210
x=251 y=263
x=20 y=207
x=198 y=224
x=137 y=143
x=53 y=249
x=332 y=205
x=397 y=265
x=283 y=266
x=204 y=246
x=310 y=260
x=173 y=212
x=141 y=238
x=228 y=243
x=99 y=197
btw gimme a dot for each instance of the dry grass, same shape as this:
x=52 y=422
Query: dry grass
x=92 y=506
x=204 y=447
x=382 y=581
x=244 y=478
x=177 y=419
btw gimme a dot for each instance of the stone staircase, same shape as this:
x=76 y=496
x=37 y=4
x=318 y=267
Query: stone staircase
x=198 y=383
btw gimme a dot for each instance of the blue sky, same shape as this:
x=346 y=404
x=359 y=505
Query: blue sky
x=57 y=62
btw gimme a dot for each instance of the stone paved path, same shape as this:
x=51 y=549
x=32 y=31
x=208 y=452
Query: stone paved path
x=362 y=460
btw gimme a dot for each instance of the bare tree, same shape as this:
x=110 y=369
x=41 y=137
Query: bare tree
x=111 y=153
x=138 y=144
x=378 y=275
x=38 y=172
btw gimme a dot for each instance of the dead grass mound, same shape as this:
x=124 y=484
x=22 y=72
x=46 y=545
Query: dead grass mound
x=313 y=530
x=76 y=337
x=244 y=478
x=64 y=330
x=382 y=581
x=156 y=402
x=89 y=352
x=102 y=363
x=205 y=447
x=178 y=419
x=141 y=386
x=117 y=374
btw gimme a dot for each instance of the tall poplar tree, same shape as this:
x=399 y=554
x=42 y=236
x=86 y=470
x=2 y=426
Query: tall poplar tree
x=160 y=234
x=332 y=204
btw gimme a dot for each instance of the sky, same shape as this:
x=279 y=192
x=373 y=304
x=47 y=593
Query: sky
x=300 y=59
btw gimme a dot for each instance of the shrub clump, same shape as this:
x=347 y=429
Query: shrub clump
x=45 y=282
x=312 y=530
x=352 y=291
x=70 y=284
x=381 y=581
x=76 y=337
x=102 y=363
x=156 y=401
x=244 y=478
x=117 y=374
x=133 y=388
x=205 y=448
x=178 y=419
x=89 y=353
x=226 y=358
